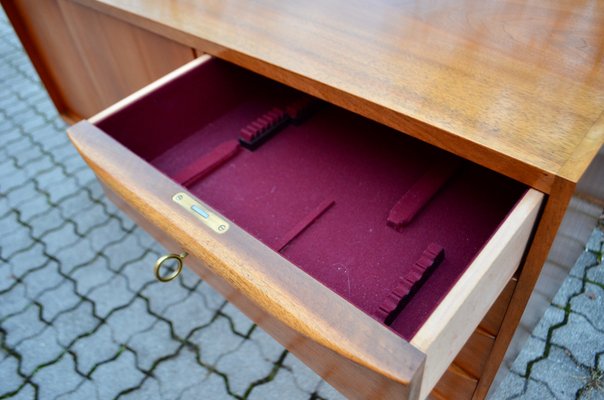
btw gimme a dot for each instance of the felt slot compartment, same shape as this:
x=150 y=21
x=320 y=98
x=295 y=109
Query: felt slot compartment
x=422 y=191
x=334 y=155
x=395 y=300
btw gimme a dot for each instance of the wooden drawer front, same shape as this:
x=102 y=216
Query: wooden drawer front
x=345 y=344
x=454 y=384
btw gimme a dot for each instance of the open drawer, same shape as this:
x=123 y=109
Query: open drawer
x=370 y=255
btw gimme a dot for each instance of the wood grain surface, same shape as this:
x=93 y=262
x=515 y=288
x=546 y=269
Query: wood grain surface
x=516 y=86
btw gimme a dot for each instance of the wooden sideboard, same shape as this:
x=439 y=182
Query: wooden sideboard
x=517 y=87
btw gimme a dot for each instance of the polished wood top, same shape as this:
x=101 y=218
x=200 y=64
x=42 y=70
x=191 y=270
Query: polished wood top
x=517 y=86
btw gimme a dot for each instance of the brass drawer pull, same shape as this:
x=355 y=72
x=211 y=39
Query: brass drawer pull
x=172 y=275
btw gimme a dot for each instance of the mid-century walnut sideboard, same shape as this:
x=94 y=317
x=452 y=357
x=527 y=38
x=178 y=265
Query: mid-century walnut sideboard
x=488 y=112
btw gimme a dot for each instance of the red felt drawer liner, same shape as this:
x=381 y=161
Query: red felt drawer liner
x=364 y=167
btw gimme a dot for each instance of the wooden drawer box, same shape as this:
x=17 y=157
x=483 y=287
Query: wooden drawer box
x=370 y=255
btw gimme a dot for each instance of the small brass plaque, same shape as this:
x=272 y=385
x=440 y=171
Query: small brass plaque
x=212 y=220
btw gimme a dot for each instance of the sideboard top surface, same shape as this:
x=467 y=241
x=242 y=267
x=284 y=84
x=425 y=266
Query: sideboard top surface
x=517 y=86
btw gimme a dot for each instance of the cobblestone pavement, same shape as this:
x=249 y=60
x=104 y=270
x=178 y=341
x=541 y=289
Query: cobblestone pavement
x=81 y=316
x=564 y=356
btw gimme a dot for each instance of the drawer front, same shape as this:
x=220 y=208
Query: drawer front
x=350 y=378
x=355 y=353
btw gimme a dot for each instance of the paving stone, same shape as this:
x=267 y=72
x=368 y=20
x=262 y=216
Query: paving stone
x=74 y=256
x=585 y=260
x=25 y=156
x=42 y=279
x=15 y=241
x=128 y=321
x=7 y=278
x=189 y=279
x=59 y=300
x=283 y=383
x=86 y=390
x=153 y=344
x=18 y=195
x=552 y=316
x=244 y=367
x=22 y=326
x=88 y=219
x=138 y=274
x=580 y=337
x=84 y=177
x=303 y=377
x=61 y=239
x=74 y=164
x=62 y=371
x=26 y=393
x=116 y=376
x=75 y=204
x=36 y=167
x=596 y=240
x=162 y=296
x=591 y=303
x=13 y=301
x=14 y=180
x=39 y=350
x=75 y=323
x=143 y=238
x=533 y=350
x=188 y=314
x=30 y=208
x=177 y=374
x=148 y=391
x=596 y=274
x=211 y=388
x=327 y=392
x=10 y=380
x=569 y=377
x=541 y=391
x=30 y=259
x=92 y=275
x=216 y=340
x=512 y=387
x=570 y=288
x=241 y=323
x=106 y=234
x=212 y=298
x=269 y=347
x=111 y=295
x=124 y=252
x=93 y=349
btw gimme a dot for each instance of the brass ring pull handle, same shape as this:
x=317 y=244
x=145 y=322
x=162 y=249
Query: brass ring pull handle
x=172 y=275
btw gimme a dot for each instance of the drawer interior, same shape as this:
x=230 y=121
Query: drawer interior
x=362 y=208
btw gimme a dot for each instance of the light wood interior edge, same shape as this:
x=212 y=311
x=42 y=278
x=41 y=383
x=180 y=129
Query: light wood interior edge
x=454 y=320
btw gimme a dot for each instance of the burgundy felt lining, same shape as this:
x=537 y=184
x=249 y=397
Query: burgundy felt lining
x=422 y=191
x=304 y=223
x=362 y=166
x=208 y=163
x=433 y=255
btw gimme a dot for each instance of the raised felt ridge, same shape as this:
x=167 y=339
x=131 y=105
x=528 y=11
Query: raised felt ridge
x=258 y=131
x=433 y=255
x=303 y=224
x=208 y=163
x=422 y=191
